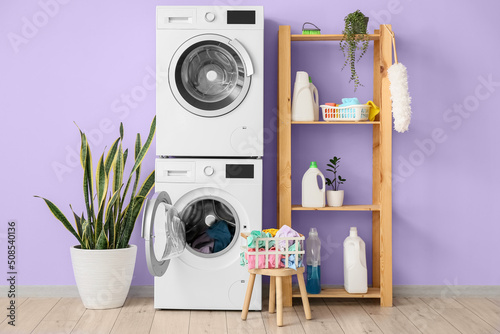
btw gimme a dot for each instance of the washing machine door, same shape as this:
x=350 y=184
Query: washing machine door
x=210 y=75
x=163 y=231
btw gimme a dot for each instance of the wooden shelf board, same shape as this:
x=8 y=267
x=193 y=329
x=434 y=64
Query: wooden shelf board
x=340 y=122
x=340 y=293
x=363 y=207
x=371 y=37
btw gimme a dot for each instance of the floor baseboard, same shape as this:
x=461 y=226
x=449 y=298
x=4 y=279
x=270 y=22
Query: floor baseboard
x=442 y=291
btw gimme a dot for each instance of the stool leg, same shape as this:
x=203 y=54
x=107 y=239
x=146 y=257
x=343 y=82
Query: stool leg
x=303 y=294
x=248 y=297
x=272 y=294
x=279 y=300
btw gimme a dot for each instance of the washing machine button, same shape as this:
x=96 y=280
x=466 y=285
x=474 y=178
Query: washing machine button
x=209 y=171
x=209 y=17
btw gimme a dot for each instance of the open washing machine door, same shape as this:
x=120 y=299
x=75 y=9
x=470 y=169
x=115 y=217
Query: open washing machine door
x=210 y=75
x=163 y=231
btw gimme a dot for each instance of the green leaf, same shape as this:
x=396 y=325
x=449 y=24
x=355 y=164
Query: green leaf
x=147 y=185
x=102 y=241
x=62 y=218
x=110 y=158
x=77 y=222
x=129 y=222
x=118 y=168
x=101 y=180
x=125 y=156
x=121 y=131
x=138 y=171
x=145 y=148
x=112 y=201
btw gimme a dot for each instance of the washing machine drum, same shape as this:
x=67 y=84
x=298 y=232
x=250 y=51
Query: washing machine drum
x=210 y=75
x=211 y=227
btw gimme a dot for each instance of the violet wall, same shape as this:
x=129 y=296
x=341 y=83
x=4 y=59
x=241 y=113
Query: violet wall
x=91 y=62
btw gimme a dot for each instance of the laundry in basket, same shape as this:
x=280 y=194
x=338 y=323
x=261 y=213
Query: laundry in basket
x=260 y=250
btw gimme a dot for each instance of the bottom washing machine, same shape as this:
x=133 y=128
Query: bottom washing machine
x=192 y=227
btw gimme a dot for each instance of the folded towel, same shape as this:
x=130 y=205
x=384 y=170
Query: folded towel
x=349 y=101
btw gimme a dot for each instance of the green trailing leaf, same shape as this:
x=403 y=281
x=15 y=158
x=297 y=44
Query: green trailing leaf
x=62 y=218
x=110 y=158
x=355 y=38
x=145 y=148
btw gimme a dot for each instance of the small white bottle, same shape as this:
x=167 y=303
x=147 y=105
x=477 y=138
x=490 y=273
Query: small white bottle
x=312 y=195
x=355 y=272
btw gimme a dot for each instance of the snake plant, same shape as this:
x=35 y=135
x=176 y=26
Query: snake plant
x=110 y=214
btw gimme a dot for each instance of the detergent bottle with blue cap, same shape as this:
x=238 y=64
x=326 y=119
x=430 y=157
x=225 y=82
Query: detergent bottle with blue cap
x=312 y=195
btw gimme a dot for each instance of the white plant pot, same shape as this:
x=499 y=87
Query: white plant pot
x=103 y=277
x=335 y=197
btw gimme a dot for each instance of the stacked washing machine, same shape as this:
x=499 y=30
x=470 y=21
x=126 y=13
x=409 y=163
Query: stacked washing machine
x=209 y=155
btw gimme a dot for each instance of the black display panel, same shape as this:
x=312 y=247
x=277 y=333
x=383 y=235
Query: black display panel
x=240 y=17
x=239 y=171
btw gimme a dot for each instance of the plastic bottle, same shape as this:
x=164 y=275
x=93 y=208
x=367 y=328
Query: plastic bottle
x=313 y=248
x=312 y=195
x=305 y=100
x=355 y=273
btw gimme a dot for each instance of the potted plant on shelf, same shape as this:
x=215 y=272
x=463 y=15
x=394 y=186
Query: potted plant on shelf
x=355 y=38
x=103 y=262
x=334 y=197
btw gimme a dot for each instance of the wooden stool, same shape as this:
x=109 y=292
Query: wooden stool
x=276 y=289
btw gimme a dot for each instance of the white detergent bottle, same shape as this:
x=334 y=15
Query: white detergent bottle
x=355 y=273
x=305 y=100
x=312 y=195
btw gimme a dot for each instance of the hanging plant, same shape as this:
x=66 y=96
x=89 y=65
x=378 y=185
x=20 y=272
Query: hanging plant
x=355 y=38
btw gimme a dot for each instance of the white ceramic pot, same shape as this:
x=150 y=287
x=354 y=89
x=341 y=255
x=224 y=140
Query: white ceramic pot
x=103 y=277
x=335 y=197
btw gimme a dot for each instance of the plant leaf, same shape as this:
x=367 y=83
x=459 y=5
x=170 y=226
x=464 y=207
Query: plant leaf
x=102 y=241
x=147 y=185
x=77 y=222
x=62 y=218
x=121 y=131
x=125 y=156
x=110 y=158
x=129 y=222
x=100 y=180
x=145 y=148
x=118 y=168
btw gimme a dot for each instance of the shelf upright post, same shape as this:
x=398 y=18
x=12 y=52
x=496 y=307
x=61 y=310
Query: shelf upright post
x=284 y=154
x=385 y=169
x=376 y=176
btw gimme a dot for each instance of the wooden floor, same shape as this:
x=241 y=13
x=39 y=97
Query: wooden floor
x=410 y=315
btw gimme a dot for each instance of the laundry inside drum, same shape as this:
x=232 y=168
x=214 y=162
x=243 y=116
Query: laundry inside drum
x=211 y=227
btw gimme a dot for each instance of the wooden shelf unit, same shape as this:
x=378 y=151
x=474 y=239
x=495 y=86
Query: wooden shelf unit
x=382 y=161
x=340 y=293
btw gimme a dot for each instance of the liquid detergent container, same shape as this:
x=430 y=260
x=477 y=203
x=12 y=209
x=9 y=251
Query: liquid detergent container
x=305 y=100
x=355 y=273
x=313 y=248
x=312 y=195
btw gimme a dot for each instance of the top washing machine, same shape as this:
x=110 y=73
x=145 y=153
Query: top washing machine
x=210 y=74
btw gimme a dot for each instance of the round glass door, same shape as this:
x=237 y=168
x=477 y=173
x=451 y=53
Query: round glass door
x=212 y=226
x=210 y=75
x=163 y=231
